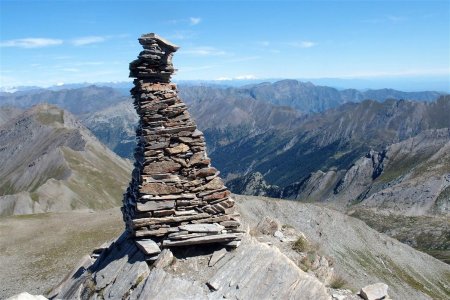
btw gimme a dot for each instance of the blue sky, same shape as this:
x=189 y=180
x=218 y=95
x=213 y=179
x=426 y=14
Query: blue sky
x=49 y=42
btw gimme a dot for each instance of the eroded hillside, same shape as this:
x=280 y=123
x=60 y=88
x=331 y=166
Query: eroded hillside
x=50 y=162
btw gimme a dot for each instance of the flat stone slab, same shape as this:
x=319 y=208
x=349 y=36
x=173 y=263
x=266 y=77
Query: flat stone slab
x=148 y=246
x=155 y=205
x=165 y=258
x=216 y=256
x=203 y=240
x=208 y=228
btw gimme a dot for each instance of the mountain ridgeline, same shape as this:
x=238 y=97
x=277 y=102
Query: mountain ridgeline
x=383 y=160
x=50 y=162
x=303 y=96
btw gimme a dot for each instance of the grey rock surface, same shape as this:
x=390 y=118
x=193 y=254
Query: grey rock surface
x=216 y=256
x=252 y=270
x=148 y=246
x=360 y=255
x=375 y=291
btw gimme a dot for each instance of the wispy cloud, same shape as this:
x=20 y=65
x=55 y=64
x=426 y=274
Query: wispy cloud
x=239 y=77
x=204 y=51
x=70 y=69
x=182 y=35
x=88 y=40
x=302 y=44
x=191 y=21
x=31 y=43
x=386 y=19
x=246 y=77
x=263 y=43
x=194 y=21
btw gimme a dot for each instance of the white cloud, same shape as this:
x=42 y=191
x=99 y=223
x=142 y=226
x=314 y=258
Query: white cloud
x=70 y=69
x=264 y=43
x=302 y=44
x=245 y=77
x=204 y=51
x=240 y=77
x=386 y=19
x=31 y=43
x=191 y=21
x=182 y=35
x=88 y=40
x=194 y=21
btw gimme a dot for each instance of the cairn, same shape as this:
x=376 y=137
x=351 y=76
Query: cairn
x=175 y=197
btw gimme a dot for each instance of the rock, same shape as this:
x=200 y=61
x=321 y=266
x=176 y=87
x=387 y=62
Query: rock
x=268 y=226
x=26 y=296
x=161 y=167
x=257 y=271
x=165 y=258
x=203 y=240
x=278 y=234
x=162 y=285
x=206 y=172
x=159 y=189
x=374 y=291
x=155 y=205
x=148 y=246
x=336 y=296
x=208 y=228
x=233 y=244
x=181 y=148
x=165 y=220
x=214 y=184
x=197 y=133
x=252 y=271
x=216 y=256
x=126 y=279
x=109 y=265
x=82 y=266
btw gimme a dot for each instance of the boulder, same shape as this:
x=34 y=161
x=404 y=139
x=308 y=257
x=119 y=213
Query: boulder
x=26 y=296
x=375 y=291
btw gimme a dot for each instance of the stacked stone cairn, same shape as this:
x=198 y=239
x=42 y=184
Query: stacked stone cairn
x=175 y=197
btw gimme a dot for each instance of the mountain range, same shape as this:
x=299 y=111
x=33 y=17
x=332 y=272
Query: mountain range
x=51 y=162
x=294 y=140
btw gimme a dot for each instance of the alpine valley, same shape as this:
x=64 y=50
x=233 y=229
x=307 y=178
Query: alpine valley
x=382 y=156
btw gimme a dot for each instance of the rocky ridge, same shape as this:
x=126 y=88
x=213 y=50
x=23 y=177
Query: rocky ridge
x=50 y=162
x=270 y=262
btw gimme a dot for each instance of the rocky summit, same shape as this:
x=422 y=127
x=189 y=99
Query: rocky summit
x=176 y=199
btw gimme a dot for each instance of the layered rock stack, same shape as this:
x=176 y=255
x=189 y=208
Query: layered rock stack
x=175 y=197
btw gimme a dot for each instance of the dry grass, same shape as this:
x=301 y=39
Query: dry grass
x=37 y=251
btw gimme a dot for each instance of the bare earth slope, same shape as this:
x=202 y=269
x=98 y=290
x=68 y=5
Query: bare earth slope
x=50 y=162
